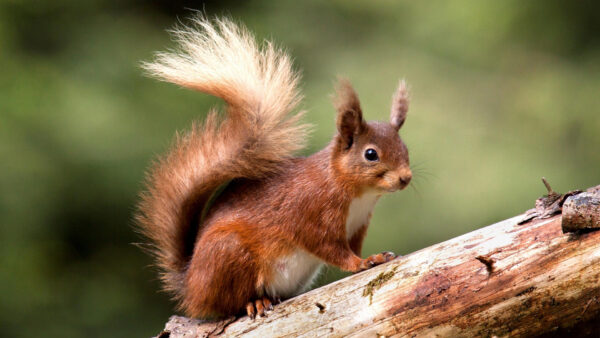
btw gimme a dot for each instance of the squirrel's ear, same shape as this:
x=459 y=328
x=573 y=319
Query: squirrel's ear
x=399 y=105
x=349 y=115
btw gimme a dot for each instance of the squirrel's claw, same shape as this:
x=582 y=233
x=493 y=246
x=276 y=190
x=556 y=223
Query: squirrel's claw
x=388 y=256
x=250 y=310
x=267 y=303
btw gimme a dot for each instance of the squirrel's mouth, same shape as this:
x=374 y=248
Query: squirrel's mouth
x=389 y=189
x=402 y=186
x=397 y=187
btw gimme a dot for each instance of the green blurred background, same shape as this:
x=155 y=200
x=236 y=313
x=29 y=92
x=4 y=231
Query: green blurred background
x=503 y=92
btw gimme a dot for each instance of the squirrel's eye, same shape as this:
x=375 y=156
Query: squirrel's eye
x=371 y=155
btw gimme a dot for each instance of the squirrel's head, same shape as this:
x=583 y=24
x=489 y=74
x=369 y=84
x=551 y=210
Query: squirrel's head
x=370 y=154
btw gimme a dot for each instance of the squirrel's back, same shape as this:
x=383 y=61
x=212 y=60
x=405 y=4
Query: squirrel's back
x=257 y=133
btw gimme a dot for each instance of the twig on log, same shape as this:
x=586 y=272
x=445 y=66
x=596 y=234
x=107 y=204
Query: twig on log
x=548 y=187
x=548 y=205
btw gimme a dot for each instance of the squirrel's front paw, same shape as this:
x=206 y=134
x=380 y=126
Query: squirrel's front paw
x=377 y=259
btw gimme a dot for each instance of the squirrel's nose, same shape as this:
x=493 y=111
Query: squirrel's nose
x=405 y=179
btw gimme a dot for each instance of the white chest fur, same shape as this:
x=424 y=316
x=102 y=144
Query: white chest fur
x=359 y=212
x=293 y=274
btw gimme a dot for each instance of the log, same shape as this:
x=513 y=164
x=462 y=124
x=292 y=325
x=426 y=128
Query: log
x=506 y=279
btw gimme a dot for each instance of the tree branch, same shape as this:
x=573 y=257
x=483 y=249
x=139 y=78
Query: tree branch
x=505 y=279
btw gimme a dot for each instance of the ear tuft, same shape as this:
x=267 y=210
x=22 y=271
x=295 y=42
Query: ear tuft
x=349 y=115
x=400 y=102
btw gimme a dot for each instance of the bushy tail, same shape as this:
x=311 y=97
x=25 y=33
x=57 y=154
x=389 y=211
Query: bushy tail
x=257 y=133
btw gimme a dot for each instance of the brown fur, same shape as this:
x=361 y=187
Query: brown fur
x=274 y=204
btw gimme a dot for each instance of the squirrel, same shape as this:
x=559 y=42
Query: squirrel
x=236 y=221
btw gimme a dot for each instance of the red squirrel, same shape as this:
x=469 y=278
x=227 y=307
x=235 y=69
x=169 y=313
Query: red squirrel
x=235 y=220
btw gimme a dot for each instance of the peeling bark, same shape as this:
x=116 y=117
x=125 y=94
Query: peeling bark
x=506 y=279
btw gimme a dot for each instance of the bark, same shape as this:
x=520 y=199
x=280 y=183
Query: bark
x=581 y=212
x=507 y=279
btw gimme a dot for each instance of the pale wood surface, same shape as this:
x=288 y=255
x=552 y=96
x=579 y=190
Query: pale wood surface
x=502 y=280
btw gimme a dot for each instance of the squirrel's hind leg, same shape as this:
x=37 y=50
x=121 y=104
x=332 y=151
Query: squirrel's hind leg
x=222 y=275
